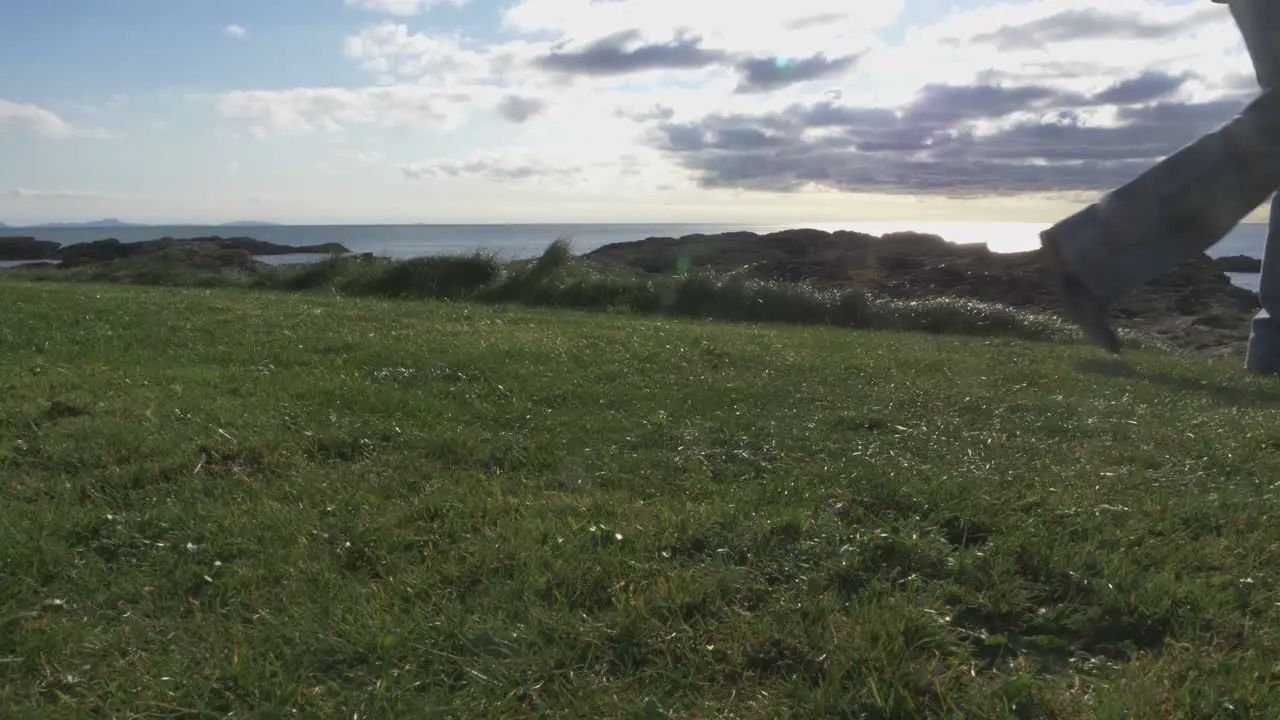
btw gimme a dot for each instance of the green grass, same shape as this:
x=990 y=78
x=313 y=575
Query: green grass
x=559 y=280
x=234 y=503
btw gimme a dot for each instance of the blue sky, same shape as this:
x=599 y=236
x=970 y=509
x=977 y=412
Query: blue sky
x=576 y=110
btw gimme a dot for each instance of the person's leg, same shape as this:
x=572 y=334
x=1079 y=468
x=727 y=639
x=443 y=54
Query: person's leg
x=1181 y=206
x=1257 y=25
x=1259 y=21
x=1263 y=354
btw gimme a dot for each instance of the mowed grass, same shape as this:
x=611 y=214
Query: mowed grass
x=233 y=503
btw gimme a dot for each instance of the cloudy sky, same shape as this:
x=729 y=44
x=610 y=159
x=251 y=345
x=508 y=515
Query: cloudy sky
x=598 y=110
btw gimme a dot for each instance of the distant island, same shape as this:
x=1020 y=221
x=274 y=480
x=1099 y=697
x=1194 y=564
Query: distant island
x=104 y=223
x=118 y=223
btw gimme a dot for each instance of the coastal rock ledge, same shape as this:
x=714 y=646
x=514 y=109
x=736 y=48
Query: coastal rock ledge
x=26 y=248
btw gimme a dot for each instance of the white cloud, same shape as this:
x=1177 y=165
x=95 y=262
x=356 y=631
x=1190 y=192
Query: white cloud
x=83 y=107
x=309 y=111
x=392 y=53
x=367 y=157
x=590 y=174
x=507 y=167
x=43 y=122
x=1053 y=96
x=340 y=159
x=794 y=27
x=1070 y=44
x=235 y=32
x=402 y=8
x=21 y=193
x=619 y=67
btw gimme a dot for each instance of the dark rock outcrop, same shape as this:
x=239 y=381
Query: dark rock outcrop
x=198 y=256
x=26 y=248
x=112 y=249
x=96 y=251
x=1194 y=306
x=1238 y=264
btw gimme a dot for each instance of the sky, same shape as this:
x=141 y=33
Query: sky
x=391 y=111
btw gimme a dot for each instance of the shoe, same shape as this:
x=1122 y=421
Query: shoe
x=1086 y=310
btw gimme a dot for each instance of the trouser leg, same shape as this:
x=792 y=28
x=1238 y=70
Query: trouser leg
x=1190 y=200
x=1258 y=25
x=1182 y=206
x=1264 y=337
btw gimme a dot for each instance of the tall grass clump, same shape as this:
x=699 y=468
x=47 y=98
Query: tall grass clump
x=445 y=277
x=736 y=297
x=965 y=316
x=438 y=277
x=323 y=273
x=536 y=282
x=177 y=266
x=557 y=256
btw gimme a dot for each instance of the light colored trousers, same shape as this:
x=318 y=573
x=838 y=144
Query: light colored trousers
x=1189 y=201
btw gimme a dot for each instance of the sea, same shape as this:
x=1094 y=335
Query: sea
x=516 y=242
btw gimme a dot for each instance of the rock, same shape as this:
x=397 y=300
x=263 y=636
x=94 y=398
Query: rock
x=915 y=265
x=261 y=247
x=1238 y=264
x=197 y=256
x=26 y=248
x=96 y=251
x=112 y=249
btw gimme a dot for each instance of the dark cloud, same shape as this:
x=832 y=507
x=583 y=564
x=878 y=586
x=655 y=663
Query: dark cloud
x=1144 y=88
x=813 y=20
x=1181 y=118
x=989 y=94
x=627 y=52
x=1037 y=71
x=1040 y=144
x=623 y=53
x=518 y=110
x=941 y=106
x=1089 y=24
x=766 y=74
x=1145 y=134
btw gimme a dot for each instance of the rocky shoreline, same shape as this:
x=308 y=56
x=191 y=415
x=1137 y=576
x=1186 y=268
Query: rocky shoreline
x=68 y=256
x=1194 y=307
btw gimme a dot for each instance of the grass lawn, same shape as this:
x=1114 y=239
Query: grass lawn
x=244 y=503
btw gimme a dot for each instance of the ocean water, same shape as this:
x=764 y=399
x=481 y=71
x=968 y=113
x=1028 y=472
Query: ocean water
x=524 y=241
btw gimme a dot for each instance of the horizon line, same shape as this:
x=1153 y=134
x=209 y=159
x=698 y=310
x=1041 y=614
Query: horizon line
x=248 y=225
